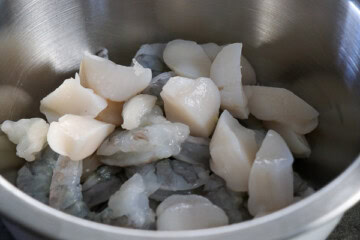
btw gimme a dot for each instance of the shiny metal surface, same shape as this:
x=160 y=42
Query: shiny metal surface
x=310 y=47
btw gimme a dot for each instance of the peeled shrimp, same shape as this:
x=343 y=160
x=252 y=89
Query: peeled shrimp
x=28 y=134
x=151 y=56
x=229 y=201
x=34 y=178
x=156 y=85
x=143 y=145
x=129 y=206
x=100 y=185
x=65 y=189
x=195 y=150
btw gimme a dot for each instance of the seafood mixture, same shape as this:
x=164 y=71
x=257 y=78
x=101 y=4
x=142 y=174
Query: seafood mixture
x=184 y=138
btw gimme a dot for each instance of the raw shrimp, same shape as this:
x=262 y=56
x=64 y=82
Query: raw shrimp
x=172 y=177
x=34 y=178
x=150 y=56
x=229 y=201
x=100 y=185
x=144 y=144
x=195 y=150
x=103 y=53
x=65 y=189
x=155 y=116
x=156 y=85
x=301 y=187
x=179 y=176
x=129 y=207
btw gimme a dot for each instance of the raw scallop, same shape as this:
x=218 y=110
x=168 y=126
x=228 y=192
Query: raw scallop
x=77 y=137
x=232 y=148
x=271 y=176
x=296 y=142
x=111 y=81
x=135 y=109
x=281 y=105
x=28 y=134
x=247 y=71
x=211 y=49
x=226 y=73
x=187 y=59
x=187 y=212
x=71 y=98
x=193 y=102
x=112 y=113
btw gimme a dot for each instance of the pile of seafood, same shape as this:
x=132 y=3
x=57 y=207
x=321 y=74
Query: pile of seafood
x=183 y=138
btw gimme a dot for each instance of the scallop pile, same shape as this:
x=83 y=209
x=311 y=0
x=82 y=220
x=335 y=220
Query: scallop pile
x=184 y=138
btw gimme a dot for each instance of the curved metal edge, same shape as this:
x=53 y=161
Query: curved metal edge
x=328 y=203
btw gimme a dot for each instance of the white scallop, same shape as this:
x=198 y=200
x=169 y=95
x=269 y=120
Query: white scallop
x=111 y=81
x=112 y=113
x=28 y=134
x=225 y=72
x=135 y=109
x=281 y=105
x=187 y=212
x=71 y=98
x=232 y=148
x=176 y=199
x=77 y=137
x=271 y=176
x=195 y=103
x=211 y=49
x=296 y=142
x=187 y=59
x=247 y=71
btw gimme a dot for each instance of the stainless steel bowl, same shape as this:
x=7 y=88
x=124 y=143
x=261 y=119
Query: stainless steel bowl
x=310 y=47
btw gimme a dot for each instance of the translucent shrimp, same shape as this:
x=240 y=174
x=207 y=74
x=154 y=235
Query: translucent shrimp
x=195 y=150
x=100 y=185
x=229 y=201
x=144 y=144
x=129 y=207
x=65 y=189
x=34 y=178
x=156 y=85
x=150 y=56
x=172 y=176
x=301 y=188
x=103 y=53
